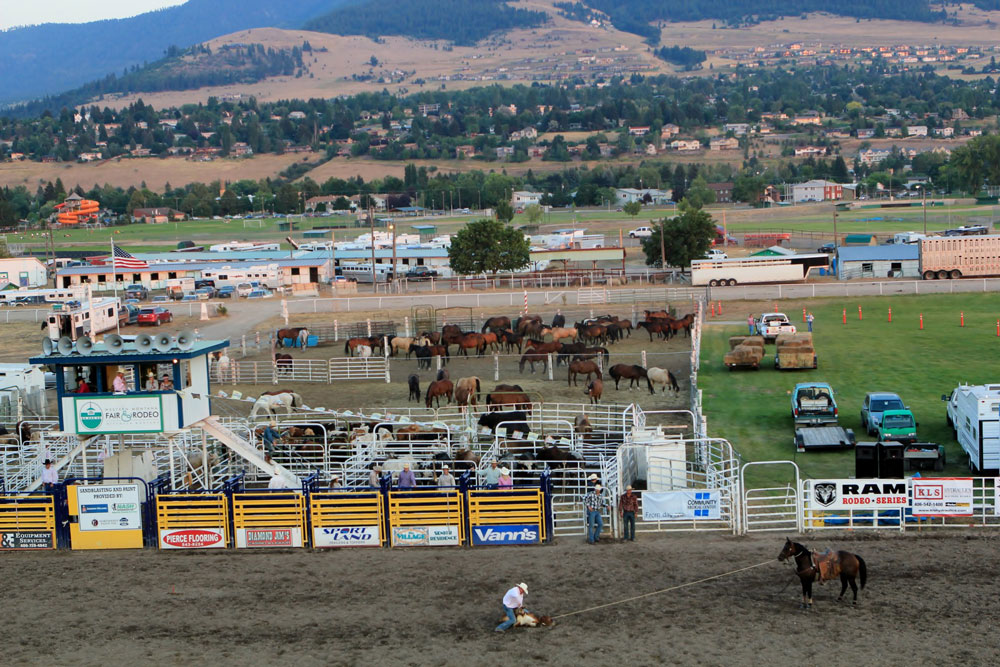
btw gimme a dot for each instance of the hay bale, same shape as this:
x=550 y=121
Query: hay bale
x=736 y=341
x=793 y=338
x=800 y=358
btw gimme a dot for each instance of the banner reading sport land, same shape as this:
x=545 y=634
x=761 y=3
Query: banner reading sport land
x=118 y=414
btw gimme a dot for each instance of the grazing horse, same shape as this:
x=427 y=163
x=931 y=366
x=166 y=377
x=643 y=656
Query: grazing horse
x=629 y=372
x=498 y=323
x=662 y=376
x=813 y=566
x=271 y=403
x=659 y=327
x=655 y=315
x=490 y=339
x=594 y=389
x=580 y=367
x=467 y=391
x=291 y=332
x=352 y=344
x=414 y=383
x=283 y=363
x=437 y=389
x=508 y=394
x=542 y=347
x=559 y=333
x=511 y=340
x=531 y=357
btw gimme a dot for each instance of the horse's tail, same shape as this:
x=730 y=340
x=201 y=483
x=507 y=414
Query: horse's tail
x=862 y=570
x=347 y=345
x=478 y=390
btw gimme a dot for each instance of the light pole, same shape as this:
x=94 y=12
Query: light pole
x=923 y=197
x=392 y=228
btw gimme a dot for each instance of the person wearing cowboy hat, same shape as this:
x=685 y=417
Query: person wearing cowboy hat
x=593 y=479
x=628 y=505
x=446 y=479
x=269 y=435
x=151 y=383
x=492 y=475
x=335 y=483
x=118 y=385
x=593 y=502
x=512 y=601
x=373 y=476
x=505 y=481
x=50 y=476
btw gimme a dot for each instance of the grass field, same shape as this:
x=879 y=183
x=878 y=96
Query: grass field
x=752 y=408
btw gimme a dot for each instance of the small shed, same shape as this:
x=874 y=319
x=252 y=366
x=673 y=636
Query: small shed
x=425 y=231
x=774 y=251
x=860 y=240
x=883 y=261
x=317 y=233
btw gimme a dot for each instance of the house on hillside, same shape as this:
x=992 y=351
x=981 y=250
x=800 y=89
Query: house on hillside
x=645 y=196
x=723 y=192
x=817 y=190
x=523 y=198
x=808 y=118
x=725 y=144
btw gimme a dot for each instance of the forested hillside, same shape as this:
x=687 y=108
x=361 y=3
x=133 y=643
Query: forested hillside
x=463 y=22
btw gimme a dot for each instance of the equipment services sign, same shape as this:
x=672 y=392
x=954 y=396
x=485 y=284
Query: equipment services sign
x=681 y=505
x=515 y=534
x=26 y=540
x=942 y=496
x=113 y=507
x=425 y=536
x=851 y=494
x=346 y=536
x=118 y=414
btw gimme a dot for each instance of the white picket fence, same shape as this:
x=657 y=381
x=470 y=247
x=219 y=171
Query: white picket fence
x=325 y=371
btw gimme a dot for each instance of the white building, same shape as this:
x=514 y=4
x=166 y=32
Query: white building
x=817 y=190
x=523 y=198
x=22 y=272
x=656 y=197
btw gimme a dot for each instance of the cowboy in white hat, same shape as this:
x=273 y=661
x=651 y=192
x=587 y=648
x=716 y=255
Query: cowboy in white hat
x=505 y=481
x=446 y=479
x=512 y=601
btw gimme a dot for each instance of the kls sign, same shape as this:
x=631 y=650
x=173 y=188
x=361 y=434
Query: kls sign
x=849 y=494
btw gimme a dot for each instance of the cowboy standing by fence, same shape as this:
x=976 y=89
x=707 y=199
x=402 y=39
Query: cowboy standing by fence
x=628 y=505
x=491 y=478
x=512 y=601
x=593 y=502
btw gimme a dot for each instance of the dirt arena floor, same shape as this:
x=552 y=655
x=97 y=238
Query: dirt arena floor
x=924 y=604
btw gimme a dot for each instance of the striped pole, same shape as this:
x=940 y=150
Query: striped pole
x=525 y=302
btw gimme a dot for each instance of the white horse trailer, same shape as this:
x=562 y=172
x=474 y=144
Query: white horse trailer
x=89 y=319
x=744 y=270
x=974 y=413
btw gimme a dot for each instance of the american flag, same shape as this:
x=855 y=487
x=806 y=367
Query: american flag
x=122 y=260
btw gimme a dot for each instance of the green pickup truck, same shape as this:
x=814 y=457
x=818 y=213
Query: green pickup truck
x=898 y=426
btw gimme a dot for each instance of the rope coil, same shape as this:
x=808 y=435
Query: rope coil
x=662 y=590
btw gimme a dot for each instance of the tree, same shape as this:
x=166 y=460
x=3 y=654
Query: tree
x=488 y=246
x=534 y=213
x=678 y=183
x=839 y=170
x=699 y=194
x=632 y=208
x=504 y=211
x=685 y=237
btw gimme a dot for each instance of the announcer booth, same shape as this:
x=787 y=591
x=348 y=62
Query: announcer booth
x=166 y=383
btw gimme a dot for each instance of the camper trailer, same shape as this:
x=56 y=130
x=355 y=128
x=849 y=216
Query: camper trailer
x=974 y=413
x=87 y=319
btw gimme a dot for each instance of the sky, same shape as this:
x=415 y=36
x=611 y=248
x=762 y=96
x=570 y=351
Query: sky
x=28 y=12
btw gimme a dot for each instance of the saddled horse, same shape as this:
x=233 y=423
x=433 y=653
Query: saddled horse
x=271 y=403
x=437 y=389
x=813 y=566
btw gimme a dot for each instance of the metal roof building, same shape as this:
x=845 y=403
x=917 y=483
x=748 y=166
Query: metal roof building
x=880 y=261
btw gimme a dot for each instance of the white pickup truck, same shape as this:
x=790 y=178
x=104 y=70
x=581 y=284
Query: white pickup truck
x=771 y=325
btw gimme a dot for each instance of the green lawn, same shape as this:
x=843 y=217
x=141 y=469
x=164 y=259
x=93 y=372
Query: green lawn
x=752 y=409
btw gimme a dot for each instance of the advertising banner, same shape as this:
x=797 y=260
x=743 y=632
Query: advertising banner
x=252 y=538
x=193 y=538
x=21 y=539
x=346 y=536
x=118 y=414
x=681 y=505
x=852 y=494
x=942 y=496
x=514 y=534
x=425 y=536
x=112 y=507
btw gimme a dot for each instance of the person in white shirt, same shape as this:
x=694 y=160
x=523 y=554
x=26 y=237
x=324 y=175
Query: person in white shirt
x=277 y=481
x=118 y=384
x=512 y=601
x=50 y=476
x=446 y=479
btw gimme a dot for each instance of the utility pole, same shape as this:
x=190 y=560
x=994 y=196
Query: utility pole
x=371 y=222
x=923 y=192
x=663 y=247
x=835 y=229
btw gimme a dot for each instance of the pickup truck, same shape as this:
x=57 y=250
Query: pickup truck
x=640 y=233
x=136 y=291
x=771 y=325
x=897 y=425
x=875 y=403
x=128 y=314
x=813 y=404
x=421 y=273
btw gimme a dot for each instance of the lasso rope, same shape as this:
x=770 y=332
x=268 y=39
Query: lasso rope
x=663 y=590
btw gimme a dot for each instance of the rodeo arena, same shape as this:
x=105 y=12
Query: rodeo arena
x=503 y=476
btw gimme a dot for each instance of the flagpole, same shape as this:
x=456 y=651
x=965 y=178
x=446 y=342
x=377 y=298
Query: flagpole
x=114 y=282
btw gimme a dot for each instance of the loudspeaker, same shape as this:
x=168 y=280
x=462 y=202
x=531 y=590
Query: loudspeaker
x=890 y=460
x=185 y=340
x=866 y=460
x=47 y=347
x=163 y=343
x=65 y=346
x=85 y=345
x=114 y=343
x=143 y=343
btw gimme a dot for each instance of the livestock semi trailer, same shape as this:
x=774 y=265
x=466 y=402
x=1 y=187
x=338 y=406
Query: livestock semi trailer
x=955 y=257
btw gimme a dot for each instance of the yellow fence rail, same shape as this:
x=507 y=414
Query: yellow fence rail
x=27 y=522
x=193 y=521
x=347 y=519
x=507 y=517
x=269 y=520
x=426 y=518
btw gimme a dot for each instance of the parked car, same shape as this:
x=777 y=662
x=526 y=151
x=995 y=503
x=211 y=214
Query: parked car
x=421 y=273
x=128 y=314
x=260 y=294
x=161 y=298
x=828 y=248
x=205 y=293
x=875 y=403
x=715 y=253
x=640 y=233
x=190 y=296
x=226 y=292
x=897 y=425
x=155 y=316
x=136 y=291
x=244 y=289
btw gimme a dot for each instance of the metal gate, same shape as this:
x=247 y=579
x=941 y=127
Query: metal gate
x=775 y=508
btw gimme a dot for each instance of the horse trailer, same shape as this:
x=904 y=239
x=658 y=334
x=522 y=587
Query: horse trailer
x=974 y=414
x=959 y=257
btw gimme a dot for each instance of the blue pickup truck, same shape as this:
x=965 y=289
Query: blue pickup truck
x=813 y=404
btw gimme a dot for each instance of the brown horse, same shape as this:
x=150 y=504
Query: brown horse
x=630 y=372
x=508 y=394
x=531 y=357
x=491 y=340
x=498 y=323
x=594 y=333
x=352 y=344
x=467 y=391
x=283 y=363
x=655 y=315
x=437 y=389
x=433 y=337
x=812 y=566
x=594 y=389
x=542 y=347
x=683 y=323
x=626 y=326
x=472 y=341
x=659 y=327
x=290 y=332
x=580 y=367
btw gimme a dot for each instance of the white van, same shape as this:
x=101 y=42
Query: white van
x=244 y=289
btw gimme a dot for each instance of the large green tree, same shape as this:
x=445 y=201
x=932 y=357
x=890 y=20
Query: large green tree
x=504 y=211
x=488 y=246
x=977 y=163
x=686 y=236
